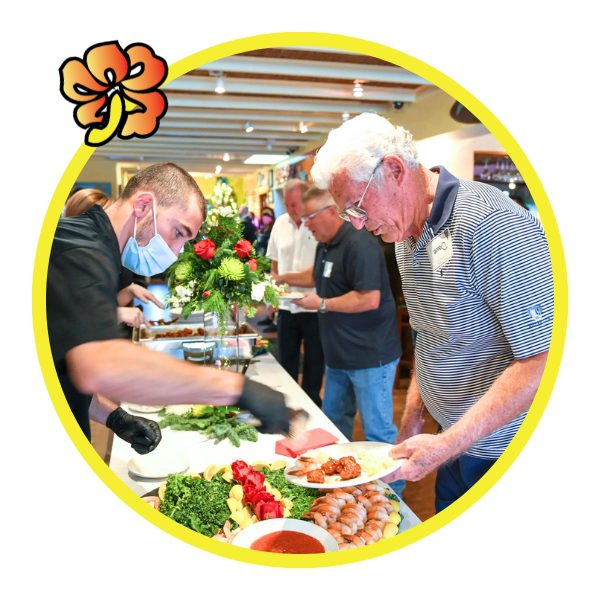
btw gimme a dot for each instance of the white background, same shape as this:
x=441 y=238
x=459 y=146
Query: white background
x=64 y=532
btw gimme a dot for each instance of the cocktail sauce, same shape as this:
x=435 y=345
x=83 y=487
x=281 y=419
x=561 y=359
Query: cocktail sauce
x=288 y=542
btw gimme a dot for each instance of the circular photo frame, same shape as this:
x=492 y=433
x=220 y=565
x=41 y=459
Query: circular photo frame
x=467 y=103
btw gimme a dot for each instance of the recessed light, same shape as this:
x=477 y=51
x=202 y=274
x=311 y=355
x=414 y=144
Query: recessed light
x=265 y=159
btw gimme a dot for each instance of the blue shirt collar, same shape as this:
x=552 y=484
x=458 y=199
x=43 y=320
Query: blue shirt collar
x=443 y=202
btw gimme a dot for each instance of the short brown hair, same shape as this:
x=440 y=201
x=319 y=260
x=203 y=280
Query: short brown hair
x=169 y=182
x=84 y=198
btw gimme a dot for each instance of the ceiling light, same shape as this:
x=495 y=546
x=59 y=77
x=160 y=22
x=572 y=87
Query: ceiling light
x=302 y=128
x=218 y=169
x=249 y=127
x=226 y=157
x=345 y=116
x=269 y=145
x=265 y=159
x=220 y=85
x=357 y=90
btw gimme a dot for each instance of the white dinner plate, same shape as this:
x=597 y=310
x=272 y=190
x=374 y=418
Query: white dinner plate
x=379 y=449
x=144 y=408
x=286 y=299
x=158 y=464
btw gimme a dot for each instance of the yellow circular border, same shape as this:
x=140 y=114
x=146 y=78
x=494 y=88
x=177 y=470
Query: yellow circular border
x=477 y=491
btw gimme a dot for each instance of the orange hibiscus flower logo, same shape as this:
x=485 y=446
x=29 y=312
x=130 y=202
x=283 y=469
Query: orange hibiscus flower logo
x=115 y=91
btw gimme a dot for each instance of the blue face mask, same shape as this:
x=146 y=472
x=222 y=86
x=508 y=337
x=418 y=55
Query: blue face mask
x=156 y=257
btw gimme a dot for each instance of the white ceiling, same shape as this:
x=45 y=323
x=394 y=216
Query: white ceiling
x=275 y=89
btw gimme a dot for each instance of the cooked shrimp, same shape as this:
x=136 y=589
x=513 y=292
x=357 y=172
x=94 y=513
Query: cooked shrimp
x=351 y=490
x=336 y=534
x=345 y=496
x=374 y=496
x=358 y=541
x=375 y=533
x=354 y=510
x=352 y=522
x=325 y=500
x=331 y=512
x=386 y=505
x=363 y=501
x=345 y=529
x=375 y=524
x=346 y=546
x=378 y=513
x=373 y=486
x=320 y=520
x=365 y=536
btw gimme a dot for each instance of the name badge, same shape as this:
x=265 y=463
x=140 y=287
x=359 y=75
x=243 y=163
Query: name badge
x=327 y=269
x=440 y=250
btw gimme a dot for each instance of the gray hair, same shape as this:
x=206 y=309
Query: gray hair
x=321 y=198
x=358 y=145
x=292 y=184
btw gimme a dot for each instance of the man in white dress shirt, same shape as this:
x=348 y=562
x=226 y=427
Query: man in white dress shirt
x=292 y=248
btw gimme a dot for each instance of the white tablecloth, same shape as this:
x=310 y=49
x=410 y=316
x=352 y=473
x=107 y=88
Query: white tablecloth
x=199 y=452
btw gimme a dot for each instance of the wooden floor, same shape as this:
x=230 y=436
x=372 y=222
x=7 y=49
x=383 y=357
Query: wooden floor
x=419 y=495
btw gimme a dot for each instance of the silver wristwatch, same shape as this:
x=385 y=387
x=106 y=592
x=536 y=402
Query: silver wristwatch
x=322 y=306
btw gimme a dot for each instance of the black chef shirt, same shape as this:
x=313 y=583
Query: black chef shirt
x=354 y=261
x=81 y=295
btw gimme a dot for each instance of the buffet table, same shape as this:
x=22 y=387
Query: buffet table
x=199 y=452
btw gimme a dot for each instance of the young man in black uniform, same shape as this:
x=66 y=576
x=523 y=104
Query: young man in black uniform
x=144 y=230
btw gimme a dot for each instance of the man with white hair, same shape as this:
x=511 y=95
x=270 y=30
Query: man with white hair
x=477 y=279
x=292 y=248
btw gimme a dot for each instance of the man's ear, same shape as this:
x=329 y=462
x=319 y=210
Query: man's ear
x=142 y=204
x=394 y=166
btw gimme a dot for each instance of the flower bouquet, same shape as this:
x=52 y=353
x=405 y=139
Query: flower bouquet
x=220 y=272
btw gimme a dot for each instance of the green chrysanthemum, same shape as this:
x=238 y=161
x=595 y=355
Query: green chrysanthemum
x=231 y=269
x=183 y=271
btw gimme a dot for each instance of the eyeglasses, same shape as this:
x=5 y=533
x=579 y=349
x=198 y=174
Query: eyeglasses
x=355 y=211
x=307 y=218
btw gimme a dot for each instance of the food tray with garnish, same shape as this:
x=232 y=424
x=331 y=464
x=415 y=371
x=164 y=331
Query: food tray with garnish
x=224 y=500
x=188 y=332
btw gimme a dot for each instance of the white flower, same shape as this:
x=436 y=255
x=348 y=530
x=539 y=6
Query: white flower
x=258 y=291
x=226 y=211
x=183 y=293
x=173 y=302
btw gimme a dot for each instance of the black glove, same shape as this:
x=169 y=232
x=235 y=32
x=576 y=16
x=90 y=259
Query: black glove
x=267 y=405
x=143 y=434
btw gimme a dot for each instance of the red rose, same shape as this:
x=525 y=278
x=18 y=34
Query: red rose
x=243 y=248
x=240 y=470
x=252 y=264
x=268 y=510
x=255 y=479
x=205 y=249
x=254 y=495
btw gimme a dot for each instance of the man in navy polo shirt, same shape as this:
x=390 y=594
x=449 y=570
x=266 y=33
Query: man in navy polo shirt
x=477 y=279
x=357 y=321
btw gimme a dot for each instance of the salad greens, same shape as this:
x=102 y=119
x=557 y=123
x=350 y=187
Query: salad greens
x=215 y=422
x=301 y=497
x=196 y=503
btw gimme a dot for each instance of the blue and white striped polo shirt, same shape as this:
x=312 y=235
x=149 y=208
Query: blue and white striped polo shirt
x=479 y=290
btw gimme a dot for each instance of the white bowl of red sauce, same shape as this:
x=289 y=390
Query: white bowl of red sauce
x=286 y=536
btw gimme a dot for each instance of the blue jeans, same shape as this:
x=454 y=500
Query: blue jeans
x=369 y=390
x=455 y=478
